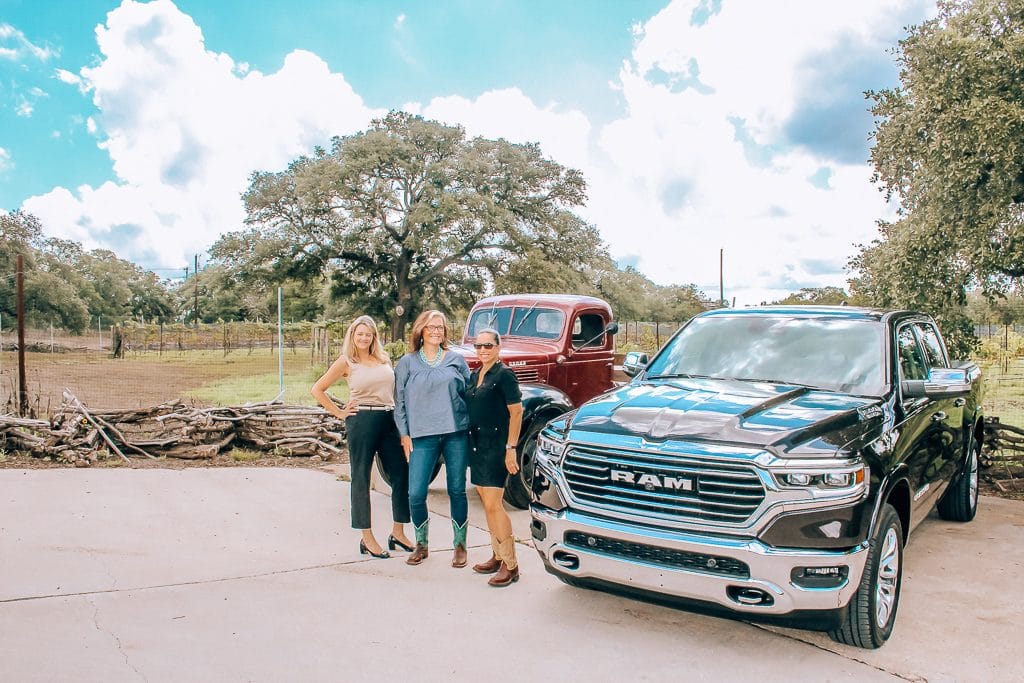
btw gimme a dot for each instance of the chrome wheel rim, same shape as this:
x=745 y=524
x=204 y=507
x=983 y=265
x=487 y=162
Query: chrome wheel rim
x=972 y=474
x=888 y=577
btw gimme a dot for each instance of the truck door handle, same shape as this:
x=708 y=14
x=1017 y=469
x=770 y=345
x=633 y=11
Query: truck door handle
x=938 y=416
x=959 y=402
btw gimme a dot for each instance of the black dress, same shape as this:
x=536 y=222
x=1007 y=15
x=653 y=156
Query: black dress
x=488 y=419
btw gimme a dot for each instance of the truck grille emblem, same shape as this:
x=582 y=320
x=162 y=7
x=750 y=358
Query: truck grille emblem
x=652 y=482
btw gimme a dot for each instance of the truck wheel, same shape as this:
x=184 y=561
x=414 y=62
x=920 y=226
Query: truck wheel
x=960 y=502
x=518 y=486
x=872 y=610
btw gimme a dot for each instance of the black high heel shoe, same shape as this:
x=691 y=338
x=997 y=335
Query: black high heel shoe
x=394 y=542
x=363 y=550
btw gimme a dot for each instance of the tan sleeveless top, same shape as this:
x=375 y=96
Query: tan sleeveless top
x=371 y=385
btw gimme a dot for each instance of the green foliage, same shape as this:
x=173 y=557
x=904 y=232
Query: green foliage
x=949 y=145
x=409 y=213
x=822 y=296
x=396 y=350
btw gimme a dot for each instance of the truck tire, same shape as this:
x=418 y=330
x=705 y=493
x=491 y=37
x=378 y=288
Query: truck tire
x=960 y=502
x=871 y=613
x=518 y=487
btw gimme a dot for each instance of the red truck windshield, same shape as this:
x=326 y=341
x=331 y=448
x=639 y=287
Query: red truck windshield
x=518 y=321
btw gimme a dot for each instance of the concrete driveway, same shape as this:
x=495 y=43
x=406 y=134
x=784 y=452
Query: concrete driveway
x=253 y=574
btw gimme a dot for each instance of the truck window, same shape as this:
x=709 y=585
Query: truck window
x=911 y=361
x=933 y=351
x=585 y=328
x=496 y=318
x=530 y=321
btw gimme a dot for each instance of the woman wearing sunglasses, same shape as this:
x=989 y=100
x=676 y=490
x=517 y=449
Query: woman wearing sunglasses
x=369 y=429
x=495 y=416
x=431 y=415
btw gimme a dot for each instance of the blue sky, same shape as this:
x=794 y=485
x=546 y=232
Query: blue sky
x=700 y=124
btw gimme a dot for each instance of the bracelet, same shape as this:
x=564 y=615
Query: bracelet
x=510 y=446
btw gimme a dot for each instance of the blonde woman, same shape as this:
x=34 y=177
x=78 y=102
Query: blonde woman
x=431 y=414
x=370 y=430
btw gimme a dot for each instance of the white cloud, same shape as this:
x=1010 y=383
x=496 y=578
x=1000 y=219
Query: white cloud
x=24 y=108
x=511 y=115
x=701 y=160
x=6 y=163
x=18 y=46
x=184 y=129
x=67 y=77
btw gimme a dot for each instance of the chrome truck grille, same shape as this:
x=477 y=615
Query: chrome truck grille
x=526 y=374
x=666 y=487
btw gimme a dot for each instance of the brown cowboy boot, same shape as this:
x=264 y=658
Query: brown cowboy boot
x=460 y=557
x=508 y=573
x=489 y=566
x=421 y=551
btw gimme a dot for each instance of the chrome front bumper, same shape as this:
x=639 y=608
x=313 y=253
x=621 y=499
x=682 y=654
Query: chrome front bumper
x=770 y=569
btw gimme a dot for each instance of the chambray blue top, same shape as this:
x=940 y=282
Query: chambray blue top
x=431 y=401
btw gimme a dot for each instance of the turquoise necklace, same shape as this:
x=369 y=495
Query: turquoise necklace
x=437 y=359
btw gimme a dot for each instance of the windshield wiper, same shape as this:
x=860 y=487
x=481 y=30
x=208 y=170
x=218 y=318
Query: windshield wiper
x=525 y=317
x=787 y=382
x=678 y=375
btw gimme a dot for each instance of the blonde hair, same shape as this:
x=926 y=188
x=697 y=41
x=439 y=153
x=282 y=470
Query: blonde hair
x=348 y=347
x=421 y=322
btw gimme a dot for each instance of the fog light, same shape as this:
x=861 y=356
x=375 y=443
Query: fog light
x=820 y=577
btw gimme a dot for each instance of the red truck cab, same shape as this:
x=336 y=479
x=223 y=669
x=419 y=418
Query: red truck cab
x=560 y=340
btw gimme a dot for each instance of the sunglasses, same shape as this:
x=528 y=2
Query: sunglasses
x=484 y=345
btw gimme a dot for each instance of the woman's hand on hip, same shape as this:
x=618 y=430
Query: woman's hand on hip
x=407 y=446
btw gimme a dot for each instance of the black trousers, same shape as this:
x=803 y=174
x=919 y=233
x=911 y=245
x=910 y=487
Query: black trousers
x=370 y=433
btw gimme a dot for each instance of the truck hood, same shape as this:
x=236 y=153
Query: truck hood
x=514 y=349
x=777 y=417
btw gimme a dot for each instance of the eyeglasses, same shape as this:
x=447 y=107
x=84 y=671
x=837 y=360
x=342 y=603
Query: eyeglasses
x=484 y=345
x=434 y=328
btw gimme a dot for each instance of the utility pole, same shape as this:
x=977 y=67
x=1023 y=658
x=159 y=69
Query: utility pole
x=19 y=285
x=721 y=279
x=195 y=290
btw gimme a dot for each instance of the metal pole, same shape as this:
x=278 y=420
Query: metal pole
x=20 y=293
x=721 y=279
x=195 y=292
x=280 y=347
x=99 y=330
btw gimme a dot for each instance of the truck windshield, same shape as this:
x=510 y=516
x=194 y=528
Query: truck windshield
x=826 y=353
x=519 y=321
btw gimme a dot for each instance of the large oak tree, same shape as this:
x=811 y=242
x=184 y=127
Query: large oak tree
x=407 y=214
x=949 y=146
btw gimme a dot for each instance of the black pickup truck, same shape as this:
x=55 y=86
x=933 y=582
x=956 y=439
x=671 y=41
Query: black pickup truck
x=769 y=462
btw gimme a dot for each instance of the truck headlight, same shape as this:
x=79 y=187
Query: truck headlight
x=549 y=449
x=826 y=479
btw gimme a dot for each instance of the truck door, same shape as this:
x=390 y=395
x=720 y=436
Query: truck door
x=940 y=469
x=923 y=433
x=589 y=361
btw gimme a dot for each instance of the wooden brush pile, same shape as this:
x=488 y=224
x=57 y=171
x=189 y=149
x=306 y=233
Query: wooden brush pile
x=81 y=437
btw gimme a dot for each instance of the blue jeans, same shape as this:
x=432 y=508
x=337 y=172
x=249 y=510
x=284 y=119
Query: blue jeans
x=425 y=452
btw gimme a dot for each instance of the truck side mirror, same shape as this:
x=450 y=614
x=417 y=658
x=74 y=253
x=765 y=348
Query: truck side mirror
x=941 y=383
x=612 y=328
x=634 y=362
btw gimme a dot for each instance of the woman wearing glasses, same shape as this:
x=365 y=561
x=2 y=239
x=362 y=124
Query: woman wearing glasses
x=369 y=429
x=495 y=416
x=431 y=415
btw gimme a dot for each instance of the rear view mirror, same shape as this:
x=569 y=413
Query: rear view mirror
x=942 y=383
x=634 y=362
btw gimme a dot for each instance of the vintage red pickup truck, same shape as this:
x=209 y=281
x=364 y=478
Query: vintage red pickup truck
x=560 y=347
